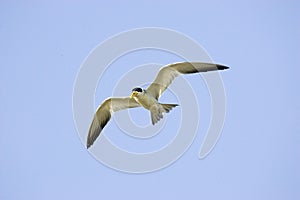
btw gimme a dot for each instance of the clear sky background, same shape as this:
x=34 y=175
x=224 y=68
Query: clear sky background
x=43 y=46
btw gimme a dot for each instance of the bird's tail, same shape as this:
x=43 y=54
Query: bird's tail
x=168 y=107
x=158 y=110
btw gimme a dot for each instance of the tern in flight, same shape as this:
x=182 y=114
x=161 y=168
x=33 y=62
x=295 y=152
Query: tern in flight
x=147 y=98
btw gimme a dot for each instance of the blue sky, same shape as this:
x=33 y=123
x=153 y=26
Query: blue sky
x=43 y=46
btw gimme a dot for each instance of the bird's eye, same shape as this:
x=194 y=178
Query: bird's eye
x=137 y=89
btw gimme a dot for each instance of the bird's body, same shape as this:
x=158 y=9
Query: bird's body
x=146 y=98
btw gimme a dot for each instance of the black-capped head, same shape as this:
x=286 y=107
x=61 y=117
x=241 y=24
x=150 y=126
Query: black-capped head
x=136 y=91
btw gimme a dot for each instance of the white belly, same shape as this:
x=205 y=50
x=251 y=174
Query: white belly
x=146 y=101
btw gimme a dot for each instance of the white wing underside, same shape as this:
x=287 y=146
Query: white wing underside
x=168 y=73
x=103 y=115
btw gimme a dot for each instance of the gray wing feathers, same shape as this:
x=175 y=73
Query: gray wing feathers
x=168 y=73
x=122 y=103
x=196 y=67
x=103 y=115
x=162 y=81
x=98 y=123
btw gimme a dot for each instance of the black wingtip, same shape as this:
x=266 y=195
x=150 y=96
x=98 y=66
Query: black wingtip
x=222 y=67
x=88 y=145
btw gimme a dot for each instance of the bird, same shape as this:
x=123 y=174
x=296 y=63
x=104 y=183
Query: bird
x=146 y=98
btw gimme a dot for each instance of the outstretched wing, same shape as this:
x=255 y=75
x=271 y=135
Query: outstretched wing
x=168 y=73
x=103 y=115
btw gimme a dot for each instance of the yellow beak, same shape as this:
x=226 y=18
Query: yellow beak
x=133 y=94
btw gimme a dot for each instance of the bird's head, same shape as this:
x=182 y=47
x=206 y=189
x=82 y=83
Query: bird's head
x=136 y=91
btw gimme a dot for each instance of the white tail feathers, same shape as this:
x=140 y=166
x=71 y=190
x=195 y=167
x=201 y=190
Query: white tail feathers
x=158 y=110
